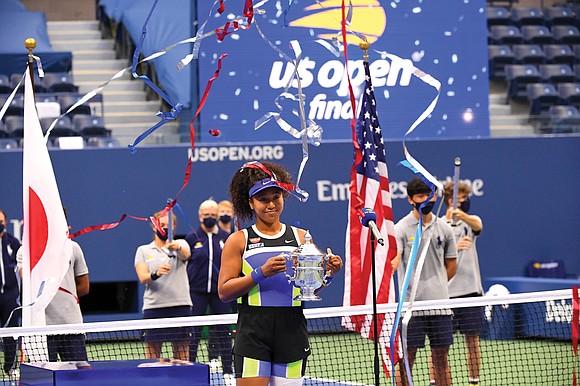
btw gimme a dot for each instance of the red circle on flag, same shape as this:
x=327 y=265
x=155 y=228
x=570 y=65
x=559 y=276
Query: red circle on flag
x=38 y=228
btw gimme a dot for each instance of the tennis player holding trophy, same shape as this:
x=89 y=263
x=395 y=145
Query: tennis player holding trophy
x=271 y=343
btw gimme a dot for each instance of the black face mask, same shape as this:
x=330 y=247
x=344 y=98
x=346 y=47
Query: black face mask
x=163 y=237
x=427 y=208
x=1 y=228
x=209 y=222
x=464 y=206
x=225 y=219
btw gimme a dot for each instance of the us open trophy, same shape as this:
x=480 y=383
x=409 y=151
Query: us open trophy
x=309 y=269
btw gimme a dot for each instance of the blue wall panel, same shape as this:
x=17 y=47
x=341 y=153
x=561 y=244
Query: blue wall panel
x=524 y=189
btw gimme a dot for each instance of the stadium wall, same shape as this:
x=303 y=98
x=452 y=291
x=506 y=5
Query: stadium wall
x=522 y=188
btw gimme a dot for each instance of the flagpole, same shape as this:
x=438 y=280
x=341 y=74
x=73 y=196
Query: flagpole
x=30 y=45
x=364 y=45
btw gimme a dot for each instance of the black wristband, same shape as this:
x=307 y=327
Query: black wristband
x=154 y=276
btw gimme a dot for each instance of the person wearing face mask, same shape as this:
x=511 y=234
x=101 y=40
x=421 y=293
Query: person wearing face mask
x=9 y=292
x=161 y=267
x=203 y=269
x=439 y=267
x=467 y=281
x=225 y=215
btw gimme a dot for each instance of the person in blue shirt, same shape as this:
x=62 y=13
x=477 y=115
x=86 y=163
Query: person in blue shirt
x=9 y=291
x=206 y=245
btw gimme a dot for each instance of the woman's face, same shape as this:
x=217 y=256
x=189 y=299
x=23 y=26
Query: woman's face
x=268 y=204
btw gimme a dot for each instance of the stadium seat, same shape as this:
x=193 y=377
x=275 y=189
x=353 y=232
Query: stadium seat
x=38 y=83
x=518 y=77
x=3 y=132
x=557 y=73
x=67 y=100
x=59 y=82
x=537 y=34
x=62 y=128
x=5 y=86
x=541 y=97
x=529 y=54
x=569 y=93
x=498 y=16
x=102 y=142
x=14 y=126
x=559 y=54
x=90 y=126
x=560 y=15
x=69 y=142
x=566 y=34
x=499 y=56
x=47 y=109
x=8 y=143
x=505 y=34
x=565 y=119
x=527 y=16
x=16 y=106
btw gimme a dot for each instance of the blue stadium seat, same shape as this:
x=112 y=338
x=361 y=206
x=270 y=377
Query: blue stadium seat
x=8 y=143
x=16 y=106
x=59 y=82
x=557 y=73
x=566 y=34
x=529 y=54
x=518 y=77
x=14 y=126
x=67 y=100
x=3 y=132
x=576 y=69
x=505 y=34
x=107 y=142
x=565 y=119
x=499 y=56
x=541 y=97
x=62 y=128
x=569 y=93
x=527 y=16
x=5 y=86
x=559 y=54
x=560 y=15
x=38 y=83
x=90 y=126
x=537 y=34
x=498 y=16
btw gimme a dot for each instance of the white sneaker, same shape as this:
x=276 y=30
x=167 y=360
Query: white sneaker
x=229 y=380
x=215 y=366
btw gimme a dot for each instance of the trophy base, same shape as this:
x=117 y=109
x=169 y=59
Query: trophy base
x=309 y=298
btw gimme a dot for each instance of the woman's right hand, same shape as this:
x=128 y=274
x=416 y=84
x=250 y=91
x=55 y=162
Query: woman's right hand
x=274 y=265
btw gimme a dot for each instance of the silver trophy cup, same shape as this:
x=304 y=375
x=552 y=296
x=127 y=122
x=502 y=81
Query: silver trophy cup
x=309 y=269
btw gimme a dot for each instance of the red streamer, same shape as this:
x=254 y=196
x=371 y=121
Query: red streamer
x=232 y=26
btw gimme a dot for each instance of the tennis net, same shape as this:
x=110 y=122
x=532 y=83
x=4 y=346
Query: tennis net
x=525 y=339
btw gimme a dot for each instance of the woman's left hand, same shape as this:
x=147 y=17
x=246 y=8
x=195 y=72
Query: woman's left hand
x=334 y=263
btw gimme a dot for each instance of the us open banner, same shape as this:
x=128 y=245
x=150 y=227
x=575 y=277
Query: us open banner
x=448 y=42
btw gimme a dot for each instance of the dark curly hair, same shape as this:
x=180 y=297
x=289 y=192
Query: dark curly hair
x=245 y=178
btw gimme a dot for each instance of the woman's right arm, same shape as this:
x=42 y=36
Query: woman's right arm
x=230 y=284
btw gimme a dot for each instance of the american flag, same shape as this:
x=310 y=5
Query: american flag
x=369 y=189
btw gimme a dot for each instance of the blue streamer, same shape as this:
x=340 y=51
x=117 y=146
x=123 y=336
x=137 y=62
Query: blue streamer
x=182 y=214
x=175 y=108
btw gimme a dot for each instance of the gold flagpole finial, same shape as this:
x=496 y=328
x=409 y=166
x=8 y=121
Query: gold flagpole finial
x=364 y=45
x=30 y=44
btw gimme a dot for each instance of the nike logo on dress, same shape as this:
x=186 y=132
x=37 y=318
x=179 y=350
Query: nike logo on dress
x=307 y=349
x=288 y=241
